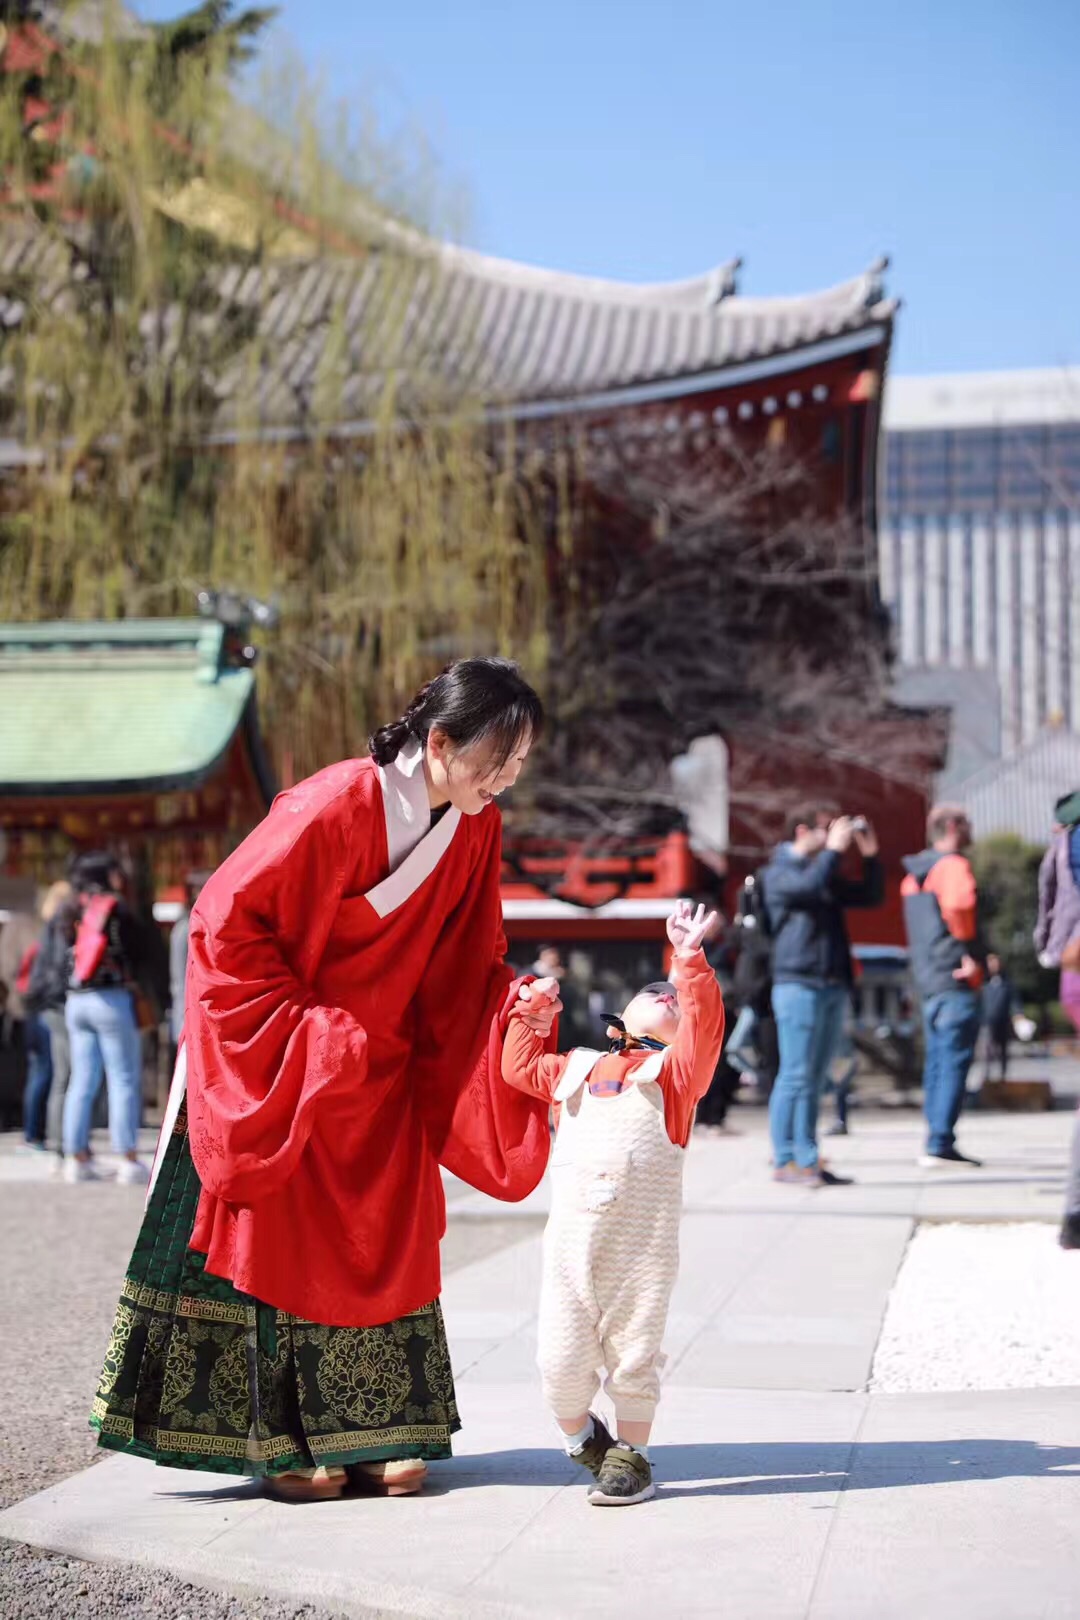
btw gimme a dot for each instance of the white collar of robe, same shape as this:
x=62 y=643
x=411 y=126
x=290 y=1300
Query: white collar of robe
x=405 y=794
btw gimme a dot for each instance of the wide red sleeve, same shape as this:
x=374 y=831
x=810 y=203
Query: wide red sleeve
x=261 y=1051
x=493 y=1137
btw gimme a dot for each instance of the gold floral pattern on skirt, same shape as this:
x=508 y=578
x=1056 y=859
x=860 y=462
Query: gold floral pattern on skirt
x=364 y=1375
x=180 y=1366
x=199 y=1375
x=123 y=1325
x=230 y=1393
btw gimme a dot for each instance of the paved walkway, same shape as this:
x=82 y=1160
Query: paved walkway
x=787 y=1491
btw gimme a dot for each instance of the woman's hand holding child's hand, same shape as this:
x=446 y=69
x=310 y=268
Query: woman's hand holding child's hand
x=542 y=1005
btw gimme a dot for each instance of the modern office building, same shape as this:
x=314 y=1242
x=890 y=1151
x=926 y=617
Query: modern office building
x=980 y=555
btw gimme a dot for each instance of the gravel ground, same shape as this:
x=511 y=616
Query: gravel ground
x=982 y=1307
x=64 y=1258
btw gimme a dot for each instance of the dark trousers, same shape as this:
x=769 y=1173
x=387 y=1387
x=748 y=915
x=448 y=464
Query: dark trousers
x=713 y=1107
x=998 y=1040
x=1072 y=1186
x=39 y=1073
x=56 y=1024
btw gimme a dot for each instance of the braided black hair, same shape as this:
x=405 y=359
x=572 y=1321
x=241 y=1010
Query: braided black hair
x=475 y=700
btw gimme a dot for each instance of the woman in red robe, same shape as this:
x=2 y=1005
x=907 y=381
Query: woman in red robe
x=345 y=1007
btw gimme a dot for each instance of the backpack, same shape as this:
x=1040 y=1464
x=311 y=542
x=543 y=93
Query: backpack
x=756 y=906
x=92 y=937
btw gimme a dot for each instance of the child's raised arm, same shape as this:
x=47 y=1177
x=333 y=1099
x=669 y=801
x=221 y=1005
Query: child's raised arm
x=693 y=1055
x=526 y=1064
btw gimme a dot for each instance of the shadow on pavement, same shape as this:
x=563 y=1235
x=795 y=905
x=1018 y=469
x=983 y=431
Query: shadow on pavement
x=785 y=1468
x=774 y=1468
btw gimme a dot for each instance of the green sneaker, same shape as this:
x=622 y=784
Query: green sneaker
x=624 y=1479
x=595 y=1449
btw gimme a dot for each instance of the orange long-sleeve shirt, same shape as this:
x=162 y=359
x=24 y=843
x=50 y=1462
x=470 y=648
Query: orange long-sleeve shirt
x=689 y=1064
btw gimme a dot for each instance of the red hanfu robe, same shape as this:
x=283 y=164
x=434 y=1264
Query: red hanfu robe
x=346 y=1002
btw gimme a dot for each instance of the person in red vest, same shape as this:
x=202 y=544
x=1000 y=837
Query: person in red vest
x=345 y=1007
x=106 y=959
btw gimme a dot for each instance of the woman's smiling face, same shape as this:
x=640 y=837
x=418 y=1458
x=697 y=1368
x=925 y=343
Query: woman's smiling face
x=470 y=778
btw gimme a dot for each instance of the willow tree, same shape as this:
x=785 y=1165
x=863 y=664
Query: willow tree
x=153 y=229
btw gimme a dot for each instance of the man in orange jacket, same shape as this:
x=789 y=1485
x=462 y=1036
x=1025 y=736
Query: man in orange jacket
x=947 y=961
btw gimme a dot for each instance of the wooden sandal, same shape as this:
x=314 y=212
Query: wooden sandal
x=401 y=1478
x=306 y=1485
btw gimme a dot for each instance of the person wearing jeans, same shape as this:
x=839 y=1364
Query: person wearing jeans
x=103 y=1030
x=805 y=895
x=105 y=1042
x=951 y=1023
x=39 y=1074
x=810 y=1022
x=46 y=995
x=947 y=961
x=1057 y=944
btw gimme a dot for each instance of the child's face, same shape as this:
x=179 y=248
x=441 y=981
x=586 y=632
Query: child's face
x=654 y=1014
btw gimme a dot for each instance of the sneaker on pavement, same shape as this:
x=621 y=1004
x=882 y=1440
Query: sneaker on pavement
x=132 y=1173
x=624 y=1478
x=592 y=1453
x=829 y=1178
x=1069 y=1236
x=795 y=1175
x=945 y=1161
x=79 y=1170
x=837 y=1130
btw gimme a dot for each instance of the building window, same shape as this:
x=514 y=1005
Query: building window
x=975 y=469
x=1063 y=458
x=924 y=483
x=1023 y=466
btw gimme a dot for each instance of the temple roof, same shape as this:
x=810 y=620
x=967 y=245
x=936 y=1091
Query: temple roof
x=343 y=308
x=142 y=705
x=458 y=323
x=523 y=334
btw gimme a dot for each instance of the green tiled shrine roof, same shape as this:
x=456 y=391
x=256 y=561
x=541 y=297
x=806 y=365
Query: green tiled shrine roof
x=131 y=706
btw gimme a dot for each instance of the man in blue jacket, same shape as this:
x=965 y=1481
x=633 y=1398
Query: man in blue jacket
x=805 y=896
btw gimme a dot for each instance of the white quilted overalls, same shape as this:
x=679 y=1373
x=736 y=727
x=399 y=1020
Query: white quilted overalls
x=611 y=1248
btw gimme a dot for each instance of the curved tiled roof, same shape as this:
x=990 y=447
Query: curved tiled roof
x=459 y=323
x=62 y=687
x=516 y=336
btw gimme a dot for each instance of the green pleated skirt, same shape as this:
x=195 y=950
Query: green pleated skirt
x=198 y=1375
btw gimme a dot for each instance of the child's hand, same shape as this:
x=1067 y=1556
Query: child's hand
x=687 y=929
x=541 y=1004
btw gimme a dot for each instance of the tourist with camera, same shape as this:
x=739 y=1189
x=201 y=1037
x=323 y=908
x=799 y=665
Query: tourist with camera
x=806 y=894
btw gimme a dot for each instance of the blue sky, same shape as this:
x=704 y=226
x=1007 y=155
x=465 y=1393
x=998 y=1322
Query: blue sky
x=643 y=140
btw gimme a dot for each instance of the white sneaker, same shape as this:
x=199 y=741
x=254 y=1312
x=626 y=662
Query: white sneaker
x=132 y=1173
x=79 y=1170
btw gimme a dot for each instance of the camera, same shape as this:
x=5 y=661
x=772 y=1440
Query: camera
x=860 y=824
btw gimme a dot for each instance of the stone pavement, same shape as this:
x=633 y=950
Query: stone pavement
x=786 y=1489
